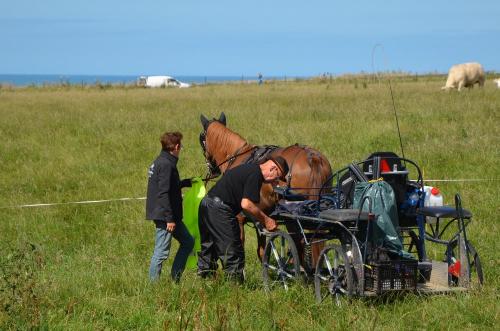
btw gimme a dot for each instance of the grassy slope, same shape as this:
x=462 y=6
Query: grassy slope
x=85 y=266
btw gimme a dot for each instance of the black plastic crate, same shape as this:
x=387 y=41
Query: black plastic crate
x=391 y=276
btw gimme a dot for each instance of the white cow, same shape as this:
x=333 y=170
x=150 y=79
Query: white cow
x=465 y=75
x=497 y=82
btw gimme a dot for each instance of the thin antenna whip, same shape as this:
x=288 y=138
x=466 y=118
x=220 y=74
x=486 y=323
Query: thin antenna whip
x=397 y=121
x=392 y=94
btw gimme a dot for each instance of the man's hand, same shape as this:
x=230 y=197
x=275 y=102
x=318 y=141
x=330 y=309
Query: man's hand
x=250 y=207
x=170 y=226
x=271 y=224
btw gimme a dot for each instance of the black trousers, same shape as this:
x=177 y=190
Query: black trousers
x=220 y=239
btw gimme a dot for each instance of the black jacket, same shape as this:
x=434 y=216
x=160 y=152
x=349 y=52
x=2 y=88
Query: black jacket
x=164 y=199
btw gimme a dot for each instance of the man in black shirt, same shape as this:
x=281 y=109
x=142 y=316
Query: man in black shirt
x=237 y=190
x=164 y=207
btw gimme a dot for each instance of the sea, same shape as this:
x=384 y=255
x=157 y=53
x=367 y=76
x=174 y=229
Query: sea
x=54 y=79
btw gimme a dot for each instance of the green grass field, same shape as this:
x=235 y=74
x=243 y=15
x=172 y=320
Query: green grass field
x=72 y=267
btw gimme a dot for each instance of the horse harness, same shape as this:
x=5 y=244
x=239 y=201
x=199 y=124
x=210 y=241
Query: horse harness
x=213 y=168
x=258 y=154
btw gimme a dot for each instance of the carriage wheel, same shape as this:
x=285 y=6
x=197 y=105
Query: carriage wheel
x=459 y=273
x=280 y=264
x=333 y=277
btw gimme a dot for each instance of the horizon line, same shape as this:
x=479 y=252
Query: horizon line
x=326 y=73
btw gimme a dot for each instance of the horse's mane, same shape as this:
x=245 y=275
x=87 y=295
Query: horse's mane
x=222 y=137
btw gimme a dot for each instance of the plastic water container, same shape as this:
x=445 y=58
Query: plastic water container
x=433 y=197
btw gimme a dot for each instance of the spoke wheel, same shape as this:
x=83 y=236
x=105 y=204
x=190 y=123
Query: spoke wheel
x=459 y=274
x=333 y=277
x=280 y=264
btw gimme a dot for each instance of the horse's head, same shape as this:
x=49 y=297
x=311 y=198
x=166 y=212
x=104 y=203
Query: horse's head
x=213 y=167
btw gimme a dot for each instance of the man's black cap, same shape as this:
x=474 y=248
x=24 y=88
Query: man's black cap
x=282 y=165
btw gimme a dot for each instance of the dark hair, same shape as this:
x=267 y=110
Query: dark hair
x=169 y=140
x=282 y=165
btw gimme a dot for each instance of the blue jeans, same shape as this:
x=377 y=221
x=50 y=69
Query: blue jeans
x=162 y=249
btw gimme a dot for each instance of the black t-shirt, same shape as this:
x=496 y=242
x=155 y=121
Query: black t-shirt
x=243 y=181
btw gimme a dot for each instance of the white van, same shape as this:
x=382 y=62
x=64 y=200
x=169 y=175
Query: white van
x=161 y=81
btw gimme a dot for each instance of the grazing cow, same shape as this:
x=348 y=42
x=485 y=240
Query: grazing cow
x=465 y=75
x=497 y=82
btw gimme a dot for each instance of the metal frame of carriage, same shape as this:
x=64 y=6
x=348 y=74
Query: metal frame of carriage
x=333 y=245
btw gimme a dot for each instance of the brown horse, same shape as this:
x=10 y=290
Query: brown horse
x=224 y=149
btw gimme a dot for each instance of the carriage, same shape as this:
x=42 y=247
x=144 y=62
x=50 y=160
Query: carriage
x=366 y=231
x=350 y=241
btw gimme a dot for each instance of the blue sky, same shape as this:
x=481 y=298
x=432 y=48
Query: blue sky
x=294 y=38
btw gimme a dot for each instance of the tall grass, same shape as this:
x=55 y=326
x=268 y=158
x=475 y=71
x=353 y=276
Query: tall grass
x=85 y=266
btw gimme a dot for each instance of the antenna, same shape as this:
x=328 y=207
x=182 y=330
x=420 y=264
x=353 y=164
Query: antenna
x=392 y=94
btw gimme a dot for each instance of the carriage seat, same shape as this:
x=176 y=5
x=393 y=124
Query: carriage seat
x=344 y=215
x=443 y=212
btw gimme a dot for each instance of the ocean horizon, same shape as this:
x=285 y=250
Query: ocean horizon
x=53 y=79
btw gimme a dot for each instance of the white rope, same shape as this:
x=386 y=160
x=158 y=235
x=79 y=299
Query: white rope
x=460 y=180
x=144 y=198
x=72 y=203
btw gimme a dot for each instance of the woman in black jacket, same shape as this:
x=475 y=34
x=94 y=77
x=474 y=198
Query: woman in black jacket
x=164 y=207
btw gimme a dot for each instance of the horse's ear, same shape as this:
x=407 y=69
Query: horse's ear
x=204 y=121
x=222 y=118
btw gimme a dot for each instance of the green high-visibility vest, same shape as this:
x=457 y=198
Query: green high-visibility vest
x=190 y=203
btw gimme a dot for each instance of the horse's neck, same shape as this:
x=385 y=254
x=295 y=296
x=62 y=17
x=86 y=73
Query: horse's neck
x=228 y=143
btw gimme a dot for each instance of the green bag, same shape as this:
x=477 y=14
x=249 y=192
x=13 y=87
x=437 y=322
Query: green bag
x=385 y=230
x=190 y=204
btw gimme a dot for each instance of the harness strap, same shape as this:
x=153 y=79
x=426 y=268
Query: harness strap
x=237 y=153
x=259 y=153
x=230 y=160
x=290 y=166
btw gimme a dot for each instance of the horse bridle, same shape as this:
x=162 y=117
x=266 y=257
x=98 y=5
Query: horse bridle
x=212 y=167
